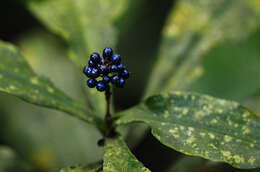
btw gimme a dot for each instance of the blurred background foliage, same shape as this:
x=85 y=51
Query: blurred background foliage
x=216 y=52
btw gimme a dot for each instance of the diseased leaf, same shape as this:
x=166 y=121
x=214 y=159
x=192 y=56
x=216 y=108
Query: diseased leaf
x=193 y=28
x=119 y=158
x=87 y=26
x=95 y=167
x=18 y=79
x=201 y=125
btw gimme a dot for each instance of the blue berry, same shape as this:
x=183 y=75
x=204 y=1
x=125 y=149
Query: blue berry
x=120 y=83
x=106 y=79
x=102 y=60
x=103 y=69
x=91 y=83
x=113 y=68
x=116 y=59
x=95 y=57
x=92 y=63
x=107 y=53
x=114 y=79
x=120 y=67
x=87 y=71
x=101 y=86
x=125 y=74
x=94 y=73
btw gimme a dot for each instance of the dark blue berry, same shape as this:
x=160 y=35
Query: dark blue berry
x=114 y=79
x=113 y=68
x=92 y=63
x=102 y=60
x=116 y=59
x=120 y=67
x=94 y=73
x=107 y=53
x=106 y=79
x=103 y=69
x=125 y=74
x=87 y=71
x=120 y=83
x=101 y=86
x=95 y=57
x=91 y=83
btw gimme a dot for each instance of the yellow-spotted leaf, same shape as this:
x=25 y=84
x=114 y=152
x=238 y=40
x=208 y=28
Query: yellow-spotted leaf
x=95 y=167
x=192 y=29
x=118 y=157
x=18 y=79
x=201 y=125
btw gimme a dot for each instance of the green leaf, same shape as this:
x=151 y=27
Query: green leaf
x=119 y=158
x=84 y=168
x=9 y=161
x=18 y=79
x=87 y=26
x=227 y=69
x=192 y=30
x=201 y=125
x=187 y=164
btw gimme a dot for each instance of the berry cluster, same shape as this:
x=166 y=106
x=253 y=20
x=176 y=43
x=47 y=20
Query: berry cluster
x=109 y=68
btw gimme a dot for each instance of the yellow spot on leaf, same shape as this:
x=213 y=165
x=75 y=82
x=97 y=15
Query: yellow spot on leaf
x=227 y=138
x=191 y=129
x=191 y=139
x=213 y=121
x=251 y=160
x=34 y=80
x=1 y=76
x=202 y=134
x=166 y=114
x=226 y=154
x=212 y=136
x=252 y=145
x=220 y=111
x=50 y=90
x=245 y=130
x=174 y=132
x=238 y=159
x=185 y=111
x=11 y=87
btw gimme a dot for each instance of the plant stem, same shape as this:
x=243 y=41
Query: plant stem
x=108 y=117
x=110 y=130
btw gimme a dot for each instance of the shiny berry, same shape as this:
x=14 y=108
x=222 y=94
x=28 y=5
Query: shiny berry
x=95 y=57
x=94 y=73
x=91 y=83
x=113 y=68
x=102 y=60
x=125 y=74
x=92 y=63
x=120 y=67
x=106 y=79
x=107 y=53
x=116 y=59
x=114 y=79
x=101 y=86
x=103 y=69
x=120 y=83
x=87 y=71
